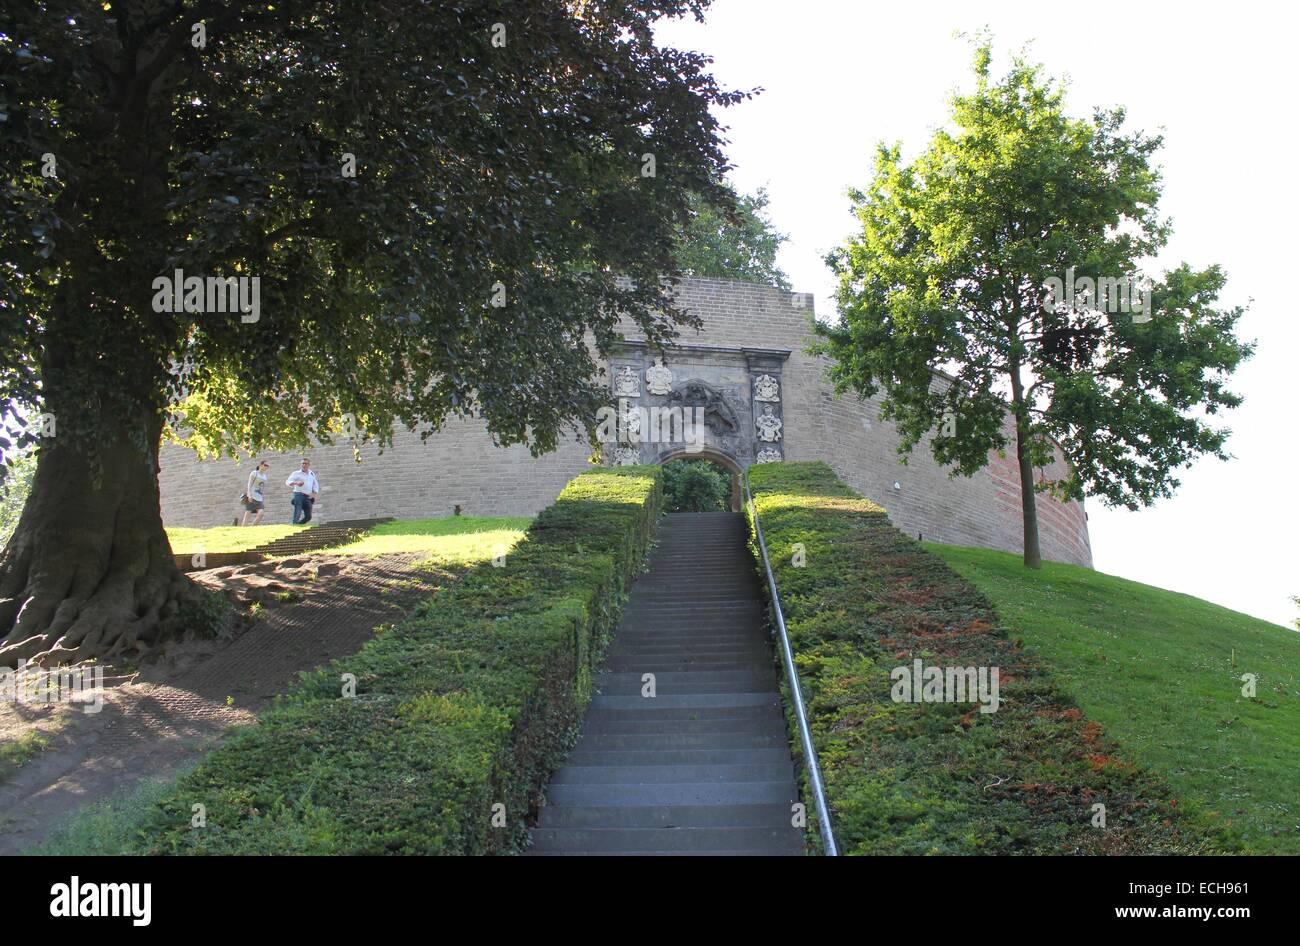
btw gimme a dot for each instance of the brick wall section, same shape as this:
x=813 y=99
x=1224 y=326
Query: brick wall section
x=456 y=466
x=459 y=464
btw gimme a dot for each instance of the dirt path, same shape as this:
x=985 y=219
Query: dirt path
x=176 y=709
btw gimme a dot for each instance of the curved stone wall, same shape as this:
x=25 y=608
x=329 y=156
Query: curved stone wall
x=750 y=331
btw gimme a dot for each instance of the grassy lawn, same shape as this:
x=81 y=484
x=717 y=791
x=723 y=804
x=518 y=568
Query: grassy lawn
x=1161 y=671
x=451 y=539
x=225 y=538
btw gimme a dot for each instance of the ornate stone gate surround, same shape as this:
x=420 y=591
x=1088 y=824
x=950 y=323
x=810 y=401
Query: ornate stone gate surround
x=741 y=391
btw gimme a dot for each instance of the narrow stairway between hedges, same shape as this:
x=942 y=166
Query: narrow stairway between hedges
x=703 y=766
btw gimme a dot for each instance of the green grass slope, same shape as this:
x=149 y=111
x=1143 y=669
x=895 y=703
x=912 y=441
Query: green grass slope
x=459 y=539
x=187 y=541
x=1161 y=671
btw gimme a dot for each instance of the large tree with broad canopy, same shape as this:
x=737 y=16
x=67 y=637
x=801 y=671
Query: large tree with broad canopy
x=443 y=203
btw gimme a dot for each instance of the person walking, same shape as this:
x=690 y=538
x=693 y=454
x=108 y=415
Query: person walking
x=305 y=490
x=254 y=500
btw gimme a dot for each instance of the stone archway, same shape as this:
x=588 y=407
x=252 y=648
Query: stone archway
x=716 y=456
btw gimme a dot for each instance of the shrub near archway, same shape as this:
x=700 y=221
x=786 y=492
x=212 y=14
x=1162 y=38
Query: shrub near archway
x=695 y=486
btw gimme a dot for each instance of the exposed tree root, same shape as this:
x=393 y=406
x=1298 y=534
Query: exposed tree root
x=89 y=571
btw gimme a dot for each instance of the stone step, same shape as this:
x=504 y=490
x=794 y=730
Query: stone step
x=741 y=629
x=670 y=793
x=704 y=546
x=698 y=549
x=672 y=593
x=729 y=564
x=758 y=725
x=678 y=643
x=675 y=841
x=676 y=603
x=551 y=853
x=698 y=576
x=652 y=774
x=691 y=580
x=685 y=621
x=700 y=681
x=725 y=555
x=666 y=816
x=661 y=666
x=770 y=710
x=650 y=742
x=633 y=662
x=697 y=702
x=688 y=625
x=691 y=650
x=684 y=685
x=687 y=612
x=653 y=594
x=678 y=756
x=673 y=639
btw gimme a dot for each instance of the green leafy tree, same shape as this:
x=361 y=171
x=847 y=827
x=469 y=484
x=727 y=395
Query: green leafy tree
x=732 y=239
x=440 y=202
x=14 y=490
x=695 y=486
x=953 y=270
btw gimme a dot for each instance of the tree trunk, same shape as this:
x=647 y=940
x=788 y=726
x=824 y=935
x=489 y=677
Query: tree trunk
x=1028 y=498
x=89 y=571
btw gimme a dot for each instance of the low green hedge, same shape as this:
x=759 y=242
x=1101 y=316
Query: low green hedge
x=466 y=706
x=939 y=778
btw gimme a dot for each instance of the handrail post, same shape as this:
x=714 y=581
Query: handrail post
x=796 y=693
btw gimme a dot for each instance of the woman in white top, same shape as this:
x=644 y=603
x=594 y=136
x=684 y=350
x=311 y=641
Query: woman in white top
x=253 y=500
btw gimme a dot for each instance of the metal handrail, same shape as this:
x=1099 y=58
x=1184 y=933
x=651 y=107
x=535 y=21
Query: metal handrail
x=796 y=693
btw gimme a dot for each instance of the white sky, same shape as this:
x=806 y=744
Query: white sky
x=1219 y=81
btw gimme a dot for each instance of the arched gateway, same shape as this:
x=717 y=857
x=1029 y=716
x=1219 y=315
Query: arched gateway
x=752 y=394
x=729 y=463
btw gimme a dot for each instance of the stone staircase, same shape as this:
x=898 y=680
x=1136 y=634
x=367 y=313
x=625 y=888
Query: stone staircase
x=704 y=766
x=324 y=536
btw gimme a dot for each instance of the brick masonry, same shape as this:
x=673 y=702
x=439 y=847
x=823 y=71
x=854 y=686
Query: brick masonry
x=459 y=465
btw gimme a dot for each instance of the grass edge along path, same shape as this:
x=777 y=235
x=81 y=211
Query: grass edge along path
x=186 y=540
x=940 y=777
x=1162 y=671
x=457 y=539
x=460 y=714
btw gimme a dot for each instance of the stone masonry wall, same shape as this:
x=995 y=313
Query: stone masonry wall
x=459 y=464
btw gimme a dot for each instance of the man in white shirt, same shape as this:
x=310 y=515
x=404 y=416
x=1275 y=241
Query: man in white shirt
x=305 y=489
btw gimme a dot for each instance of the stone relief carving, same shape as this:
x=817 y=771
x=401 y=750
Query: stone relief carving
x=768 y=425
x=766 y=388
x=632 y=424
x=626 y=383
x=626 y=456
x=658 y=379
x=719 y=416
x=768 y=455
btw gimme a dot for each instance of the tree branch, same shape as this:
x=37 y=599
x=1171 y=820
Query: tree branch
x=301 y=227
x=141 y=83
